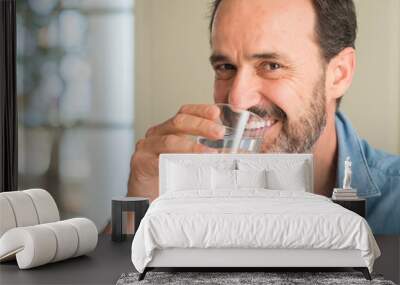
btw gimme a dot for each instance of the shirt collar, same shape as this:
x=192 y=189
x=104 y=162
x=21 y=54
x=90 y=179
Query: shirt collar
x=349 y=145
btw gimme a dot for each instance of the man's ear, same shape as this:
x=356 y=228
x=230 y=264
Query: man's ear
x=340 y=73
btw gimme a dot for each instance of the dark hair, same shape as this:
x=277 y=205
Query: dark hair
x=335 y=29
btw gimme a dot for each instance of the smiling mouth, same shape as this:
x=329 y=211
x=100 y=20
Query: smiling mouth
x=268 y=123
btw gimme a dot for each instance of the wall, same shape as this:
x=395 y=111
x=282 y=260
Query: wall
x=172 y=66
x=172 y=53
x=373 y=102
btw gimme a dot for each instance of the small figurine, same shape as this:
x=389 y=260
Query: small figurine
x=347 y=174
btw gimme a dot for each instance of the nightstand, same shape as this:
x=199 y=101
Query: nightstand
x=121 y=208
x=358 y=206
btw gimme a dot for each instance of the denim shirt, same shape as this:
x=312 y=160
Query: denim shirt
x=375 y=175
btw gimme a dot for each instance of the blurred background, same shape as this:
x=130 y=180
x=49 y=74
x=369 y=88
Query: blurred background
x=93 y=75
x=75 y=72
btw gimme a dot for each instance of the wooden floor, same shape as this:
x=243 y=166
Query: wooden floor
x=106 y=264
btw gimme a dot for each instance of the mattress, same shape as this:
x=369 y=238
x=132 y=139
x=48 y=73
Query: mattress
x=250 y=219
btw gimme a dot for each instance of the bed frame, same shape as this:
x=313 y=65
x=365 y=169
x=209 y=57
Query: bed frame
x=234 y=259
x=246 y=259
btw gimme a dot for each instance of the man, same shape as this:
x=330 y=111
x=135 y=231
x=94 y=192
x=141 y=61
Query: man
x=292 y=60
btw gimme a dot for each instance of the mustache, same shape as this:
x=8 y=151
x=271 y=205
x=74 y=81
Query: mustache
x=270 y=111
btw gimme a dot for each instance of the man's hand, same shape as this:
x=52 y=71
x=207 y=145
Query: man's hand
x=172 y=136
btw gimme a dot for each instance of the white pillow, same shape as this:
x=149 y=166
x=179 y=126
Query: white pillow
x=224 y=179
x=251 y=178
x=182 y=177
x=294 y=178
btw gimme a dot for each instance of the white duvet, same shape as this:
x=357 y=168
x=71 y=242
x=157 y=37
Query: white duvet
x=250 y=219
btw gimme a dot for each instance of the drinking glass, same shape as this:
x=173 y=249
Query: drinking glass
x=244 y=131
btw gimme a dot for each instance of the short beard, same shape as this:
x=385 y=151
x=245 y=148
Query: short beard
x=300 y=136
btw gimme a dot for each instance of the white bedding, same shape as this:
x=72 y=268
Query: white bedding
x=250 y=218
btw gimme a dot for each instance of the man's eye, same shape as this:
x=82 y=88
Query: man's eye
x=272 y=66
x=224 y=67
x=271 y=70
x=224 y=71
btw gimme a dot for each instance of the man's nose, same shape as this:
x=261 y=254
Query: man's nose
x=243 y=90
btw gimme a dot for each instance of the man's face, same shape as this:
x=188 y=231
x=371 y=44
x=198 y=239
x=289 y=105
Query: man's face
x=267 y=60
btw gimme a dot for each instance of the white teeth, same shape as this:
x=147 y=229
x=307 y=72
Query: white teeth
x=260 y=125
x=270 y=122
x=252 y=125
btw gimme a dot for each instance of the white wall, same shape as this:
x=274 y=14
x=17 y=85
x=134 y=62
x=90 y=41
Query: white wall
x=172 y=53
x=373 y=102
x=172 y=66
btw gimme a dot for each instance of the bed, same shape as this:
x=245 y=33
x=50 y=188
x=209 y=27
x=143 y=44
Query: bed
x=247 y=211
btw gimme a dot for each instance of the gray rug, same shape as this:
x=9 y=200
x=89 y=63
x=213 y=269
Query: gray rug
x=225 y=278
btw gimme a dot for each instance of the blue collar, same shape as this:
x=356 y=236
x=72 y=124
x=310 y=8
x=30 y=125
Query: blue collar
x=349 y=144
